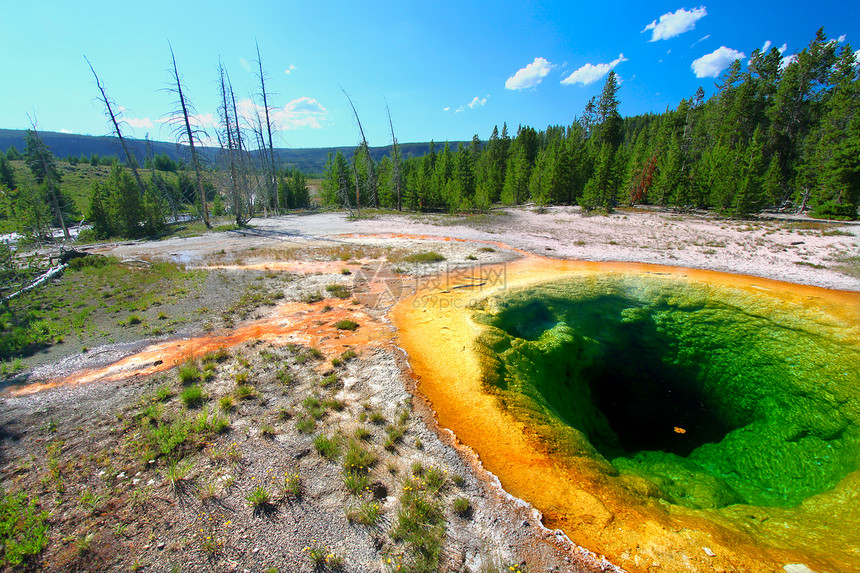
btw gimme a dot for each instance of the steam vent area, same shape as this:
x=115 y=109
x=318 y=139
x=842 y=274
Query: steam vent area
x=693 y=419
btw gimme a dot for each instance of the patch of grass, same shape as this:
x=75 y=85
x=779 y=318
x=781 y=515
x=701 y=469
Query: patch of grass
x=420 y=526
x=313 y=406
x=226 y=403
x=189 y=372
x=23 y=529
x=462 y=507
x=327 y=447
x=836 y=233
x=260 y=500
x=291 y=488
x=487 y=250
x=321 y=558
x=808 y=264
x=177 y=474
x=334 y=404
x=338 y=290
x=245 y=392
x=329 y=381
x=435 y=479
x=312 y=297
x=306 y=424
x=268 y=431
x=356 y=482
x=365 y=513
x=424 y=257
x=216 y=356
x=284 y=376
x=346 y=324
x=193 y=396
x=357 y=457
x=362 y=433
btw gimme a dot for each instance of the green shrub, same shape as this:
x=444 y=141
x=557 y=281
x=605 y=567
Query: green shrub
x=346 y=324
x=338 y=290
x=424 y=257
x=23 y=528
x=833 y=210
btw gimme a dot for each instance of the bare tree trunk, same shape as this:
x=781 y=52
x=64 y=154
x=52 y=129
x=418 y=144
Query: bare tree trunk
x=132 y=162
x=195 y=159
x=395 y=159
x=370 y=175
x=242 y=159
x=357 y=187
x=265 y=96
x=231 y=146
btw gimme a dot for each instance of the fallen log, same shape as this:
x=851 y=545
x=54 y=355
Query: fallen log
x=43 y=278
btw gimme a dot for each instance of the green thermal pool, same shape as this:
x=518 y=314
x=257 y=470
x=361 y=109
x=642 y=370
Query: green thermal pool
x=715 y=395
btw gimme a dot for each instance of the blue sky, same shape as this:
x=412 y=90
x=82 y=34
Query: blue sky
x=448 y=70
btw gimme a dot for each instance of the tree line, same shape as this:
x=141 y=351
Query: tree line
x=776 y=134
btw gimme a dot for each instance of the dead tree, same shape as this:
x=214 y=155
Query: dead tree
x=232 y=149
x=395 y=159
x=371 y=180
x=271 y=179
x=129 y=158
x=190 y=134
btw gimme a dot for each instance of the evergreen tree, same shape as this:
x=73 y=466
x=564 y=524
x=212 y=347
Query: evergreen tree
x=7 y=174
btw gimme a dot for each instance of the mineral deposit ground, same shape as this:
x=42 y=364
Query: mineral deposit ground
x=454 y=393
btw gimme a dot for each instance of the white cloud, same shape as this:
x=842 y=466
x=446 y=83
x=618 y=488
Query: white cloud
x=674 y=24
x=700 y=40
x=857 y=56
x=787 y=60
x=299 y=113
x=446 y=108
x=290 y=69
x=841 y=38
x=245 y=65
x=590 y=73
x=710 y=65
x=529 y=76
x=139 y=122
x=65 y=131
x=782 y=48
x=766 y=47
x=476 y=102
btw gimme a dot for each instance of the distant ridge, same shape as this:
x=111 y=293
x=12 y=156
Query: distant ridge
x=309 y=160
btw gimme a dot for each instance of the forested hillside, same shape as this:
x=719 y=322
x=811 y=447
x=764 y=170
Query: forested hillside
x=776 y=134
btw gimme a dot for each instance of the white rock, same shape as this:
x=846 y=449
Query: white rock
x=708 y=552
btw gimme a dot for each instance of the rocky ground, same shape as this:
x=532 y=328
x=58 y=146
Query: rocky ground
x=135 y=473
